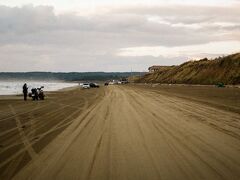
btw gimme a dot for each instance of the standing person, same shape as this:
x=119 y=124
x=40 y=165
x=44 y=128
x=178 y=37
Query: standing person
x=25 y=91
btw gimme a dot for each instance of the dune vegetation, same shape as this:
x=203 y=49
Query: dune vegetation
x=220 y=70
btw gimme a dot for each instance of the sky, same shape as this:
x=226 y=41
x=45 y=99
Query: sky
x=114 y=35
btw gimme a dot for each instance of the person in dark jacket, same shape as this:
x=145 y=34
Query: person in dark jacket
x=25 y=91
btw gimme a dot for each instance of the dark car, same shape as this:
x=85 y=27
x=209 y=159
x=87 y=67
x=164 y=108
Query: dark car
x=106 y=84
x=94 y=85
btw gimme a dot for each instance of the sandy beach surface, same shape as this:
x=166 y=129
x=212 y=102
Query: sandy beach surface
x=122 y=132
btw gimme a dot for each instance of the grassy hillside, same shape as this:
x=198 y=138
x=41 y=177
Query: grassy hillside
x=223 y=69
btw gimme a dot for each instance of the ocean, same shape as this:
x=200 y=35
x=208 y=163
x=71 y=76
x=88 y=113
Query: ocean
x=15 y=87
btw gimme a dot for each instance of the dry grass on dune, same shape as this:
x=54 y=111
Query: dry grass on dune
x=223 y=69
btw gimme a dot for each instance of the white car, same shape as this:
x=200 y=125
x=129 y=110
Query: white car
x=86 y=86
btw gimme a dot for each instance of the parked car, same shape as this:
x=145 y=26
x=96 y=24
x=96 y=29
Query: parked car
x=94 y=85
x=106 y=84
x=86 y=86
x=124 y=82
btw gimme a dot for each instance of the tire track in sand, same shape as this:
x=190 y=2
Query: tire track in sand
x=24 y=138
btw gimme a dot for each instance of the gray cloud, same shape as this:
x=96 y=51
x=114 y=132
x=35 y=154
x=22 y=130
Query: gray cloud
x=62 y=42
x=187 y=14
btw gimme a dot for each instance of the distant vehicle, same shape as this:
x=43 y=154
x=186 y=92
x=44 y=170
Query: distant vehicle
x=86 y=86
x=220 y=85
x=41 y=93
x=94 y=85
x=118 y=82
x=115 y=81
x=106 y=84
x=37 y=93
x=124 y=82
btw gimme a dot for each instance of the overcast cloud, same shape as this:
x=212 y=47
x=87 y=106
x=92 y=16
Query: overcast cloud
x=36 y=38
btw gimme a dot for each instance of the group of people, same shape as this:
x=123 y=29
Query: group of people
x=35 y=94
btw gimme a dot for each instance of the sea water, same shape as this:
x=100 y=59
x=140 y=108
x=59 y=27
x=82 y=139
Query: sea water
x=15 y=87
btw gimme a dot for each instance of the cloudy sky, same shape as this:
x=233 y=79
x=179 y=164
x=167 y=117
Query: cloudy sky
x=114 y=35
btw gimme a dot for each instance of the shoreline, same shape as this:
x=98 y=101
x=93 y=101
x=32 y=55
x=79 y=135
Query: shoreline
x=46 y=92
x=153 y=85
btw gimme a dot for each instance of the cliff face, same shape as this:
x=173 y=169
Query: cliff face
x=224 y=69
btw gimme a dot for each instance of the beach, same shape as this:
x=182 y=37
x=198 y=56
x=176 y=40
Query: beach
x=122 y=132
x=38 y=121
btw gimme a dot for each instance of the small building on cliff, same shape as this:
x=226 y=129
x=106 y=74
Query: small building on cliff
x=154 y=68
